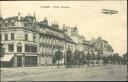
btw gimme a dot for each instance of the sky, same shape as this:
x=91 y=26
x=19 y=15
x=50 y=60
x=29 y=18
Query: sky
x=86 y=15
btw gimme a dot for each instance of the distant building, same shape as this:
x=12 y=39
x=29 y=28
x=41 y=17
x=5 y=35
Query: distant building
x=73 y=34
x=98 y=45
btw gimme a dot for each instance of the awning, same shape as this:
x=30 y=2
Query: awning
x=6 y=58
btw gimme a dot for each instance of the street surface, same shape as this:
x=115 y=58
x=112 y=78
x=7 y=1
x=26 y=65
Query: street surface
x=91 y=73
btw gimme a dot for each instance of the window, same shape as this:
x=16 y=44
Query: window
x=30 y=48
x=34 y=49
x=6 y=24
x=25 y=24
x=12 y=24
x=44 y=39
x=26 y=37
x=2 y=50
x=27 y=48
x=19 y=48
x=34 y=38
x=33 y=27
x=11 y=47
x=108 y=49
x=6 y=36
x=12 y=36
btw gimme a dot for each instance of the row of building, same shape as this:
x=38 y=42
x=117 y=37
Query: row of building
x=27 y=42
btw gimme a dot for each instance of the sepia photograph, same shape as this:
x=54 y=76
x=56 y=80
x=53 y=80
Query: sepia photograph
x=75 y=40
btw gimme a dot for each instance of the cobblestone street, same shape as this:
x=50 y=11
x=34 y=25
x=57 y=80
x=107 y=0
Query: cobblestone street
x=52 y=73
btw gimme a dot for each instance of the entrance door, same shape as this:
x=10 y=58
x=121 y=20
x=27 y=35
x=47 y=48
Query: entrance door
x=19 y=61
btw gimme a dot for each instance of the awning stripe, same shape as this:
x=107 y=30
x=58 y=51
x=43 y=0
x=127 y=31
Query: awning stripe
x=6 y=58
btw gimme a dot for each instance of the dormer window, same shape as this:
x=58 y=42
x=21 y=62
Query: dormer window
x=12 y=24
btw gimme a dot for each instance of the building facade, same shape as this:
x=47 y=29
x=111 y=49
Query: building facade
x=72 y=32
x=98 y=45
x=27 y=42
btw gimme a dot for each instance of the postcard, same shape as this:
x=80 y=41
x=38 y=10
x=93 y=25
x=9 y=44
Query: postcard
x=63 y=40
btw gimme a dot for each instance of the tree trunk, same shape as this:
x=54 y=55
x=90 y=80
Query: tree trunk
x=58 y=63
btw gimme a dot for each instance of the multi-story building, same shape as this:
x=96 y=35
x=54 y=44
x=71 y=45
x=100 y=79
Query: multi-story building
x=98 y=46
x=73 y=34
x=27 y=42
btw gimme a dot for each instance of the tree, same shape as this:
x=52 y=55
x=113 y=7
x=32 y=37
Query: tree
x=111 y=58
x=98 y=56
x=83 y=57
x=120 y=60
x=125 y=58
x=116 y=58
x=58 y=56
x=88 y=58
x=93 y=56
x=76 y=57
x=68 y=57
x=104 y=60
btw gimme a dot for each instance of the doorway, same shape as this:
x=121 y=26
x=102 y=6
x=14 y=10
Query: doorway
x=19 y=61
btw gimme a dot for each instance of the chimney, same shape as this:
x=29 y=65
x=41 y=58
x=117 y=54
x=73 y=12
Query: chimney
x=19 y=16
x=34 y=17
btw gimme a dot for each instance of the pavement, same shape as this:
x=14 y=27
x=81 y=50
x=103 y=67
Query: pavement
x=53 y=73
